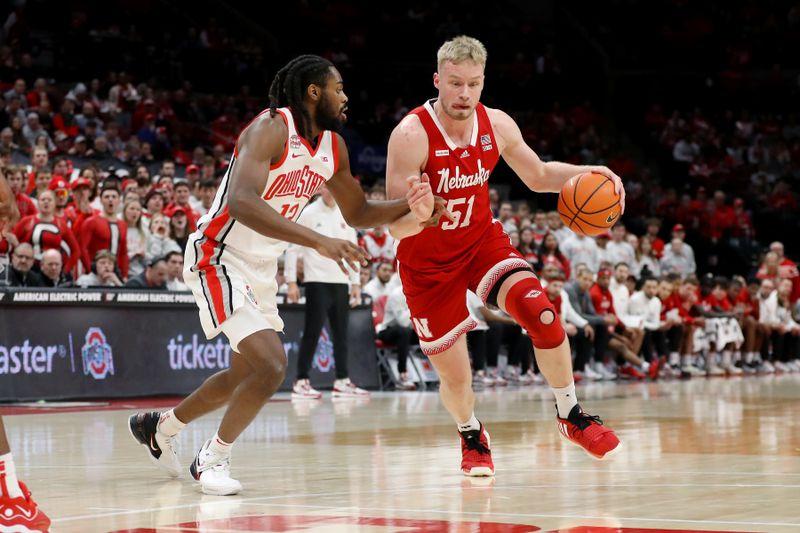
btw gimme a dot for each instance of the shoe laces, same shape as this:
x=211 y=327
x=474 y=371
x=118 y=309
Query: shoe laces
x=578 y=418
x=211 y=461
x=170 y=442
x=472 y=441
x=583 y=420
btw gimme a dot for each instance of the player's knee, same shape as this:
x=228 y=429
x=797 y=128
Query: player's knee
x=271 y=368
x=550 y=332
x=547 y=317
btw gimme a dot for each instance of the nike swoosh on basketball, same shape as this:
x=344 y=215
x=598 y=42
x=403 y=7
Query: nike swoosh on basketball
x=611 y=218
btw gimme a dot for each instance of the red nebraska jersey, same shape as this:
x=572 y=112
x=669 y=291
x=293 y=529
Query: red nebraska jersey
x=460 y=176
x=98 y=233
x=49 y=235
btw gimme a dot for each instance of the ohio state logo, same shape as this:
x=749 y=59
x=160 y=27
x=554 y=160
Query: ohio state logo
x=323 y=355
x=98 y=360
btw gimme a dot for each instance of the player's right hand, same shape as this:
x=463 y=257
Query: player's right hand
x=343 y=252
x=420 y=196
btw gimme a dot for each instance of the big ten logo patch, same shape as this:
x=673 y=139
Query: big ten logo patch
x=294 y=142
x=98 y=359
x=323 y=355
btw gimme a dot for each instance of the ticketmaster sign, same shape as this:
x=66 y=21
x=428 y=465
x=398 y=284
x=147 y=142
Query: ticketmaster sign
x=108 y=344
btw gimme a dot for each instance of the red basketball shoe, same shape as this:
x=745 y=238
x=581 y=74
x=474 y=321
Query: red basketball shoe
x=476 y=456
x=589 y=433
x=21 y=514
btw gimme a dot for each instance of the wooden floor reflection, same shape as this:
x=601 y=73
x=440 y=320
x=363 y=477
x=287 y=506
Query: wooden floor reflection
x=703 y=455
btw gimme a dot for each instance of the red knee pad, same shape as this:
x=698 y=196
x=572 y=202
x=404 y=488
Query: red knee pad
x=527 y=303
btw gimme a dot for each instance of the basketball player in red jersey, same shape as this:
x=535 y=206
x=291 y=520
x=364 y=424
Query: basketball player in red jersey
x=451 y=145
x=18 y=511
x=280 y=160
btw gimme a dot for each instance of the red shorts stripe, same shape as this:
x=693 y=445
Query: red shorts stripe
x=216 y=224
x=213 y=281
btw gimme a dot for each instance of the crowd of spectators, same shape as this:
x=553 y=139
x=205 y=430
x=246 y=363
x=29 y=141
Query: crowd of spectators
x=111 y=172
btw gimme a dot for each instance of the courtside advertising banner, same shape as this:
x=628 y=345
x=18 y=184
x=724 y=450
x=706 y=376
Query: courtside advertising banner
x=61 y=344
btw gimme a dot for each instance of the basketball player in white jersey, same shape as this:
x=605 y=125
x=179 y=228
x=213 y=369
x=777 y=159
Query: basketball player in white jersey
x=278 y=163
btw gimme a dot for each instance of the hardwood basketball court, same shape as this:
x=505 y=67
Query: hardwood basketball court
x=700 y=455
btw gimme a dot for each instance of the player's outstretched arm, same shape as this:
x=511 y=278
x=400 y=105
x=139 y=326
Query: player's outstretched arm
x=536 y=174
x=356 y=209
x=407 y=154
x=259 y=144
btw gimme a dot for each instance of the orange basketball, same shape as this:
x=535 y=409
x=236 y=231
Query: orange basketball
x=588 y=204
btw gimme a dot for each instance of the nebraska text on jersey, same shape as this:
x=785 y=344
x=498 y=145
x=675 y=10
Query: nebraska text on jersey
x=302 y=183
x=461 y=181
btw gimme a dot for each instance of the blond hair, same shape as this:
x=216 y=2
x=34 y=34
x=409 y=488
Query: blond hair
x=460 y=49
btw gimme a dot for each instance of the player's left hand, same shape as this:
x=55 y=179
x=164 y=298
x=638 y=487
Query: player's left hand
x=619 y=188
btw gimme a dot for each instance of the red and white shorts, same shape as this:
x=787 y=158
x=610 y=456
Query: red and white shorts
x=438 y=300
x=235 y=293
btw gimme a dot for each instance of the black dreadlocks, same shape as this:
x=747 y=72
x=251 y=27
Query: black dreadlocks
x=290 y=83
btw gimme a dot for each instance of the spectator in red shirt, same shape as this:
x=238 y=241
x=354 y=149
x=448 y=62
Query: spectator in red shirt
x=182 y=193
x=39 y=160
x=105 y=232
x=782 y=198
x=745 y=307
x=787 y=269
x=47 y=232
x=653 y=227
x=743 y=224
x=58 y=184
x=620 y=343
x=16 y=180
x=81 y=207
x=65 y=120
x=722 y=217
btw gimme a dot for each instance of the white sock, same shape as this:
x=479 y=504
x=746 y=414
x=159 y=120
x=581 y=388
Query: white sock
x=748 y=357
x=219 y=446
x=470 y=425
x=727 y=358
x=9 y=472
x=169 y=424
x=645 y=366
x=674 y=358
x=565 y=399
x=687 y=359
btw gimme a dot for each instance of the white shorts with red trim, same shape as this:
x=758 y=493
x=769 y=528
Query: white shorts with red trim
x=235 y=295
